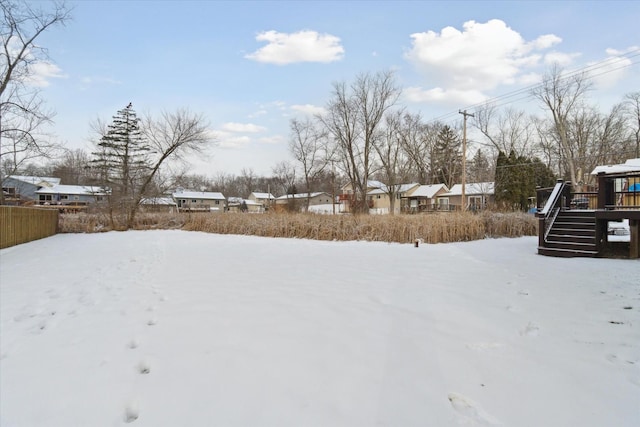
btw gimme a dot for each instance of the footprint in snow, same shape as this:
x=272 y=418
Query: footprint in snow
x=131 y=412
x=470 y=409
x=152 y=321
x=144 y=367
x=531 y=330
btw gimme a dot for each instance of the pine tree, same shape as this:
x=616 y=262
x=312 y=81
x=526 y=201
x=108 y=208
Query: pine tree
x=122 y=155
x=446 y=157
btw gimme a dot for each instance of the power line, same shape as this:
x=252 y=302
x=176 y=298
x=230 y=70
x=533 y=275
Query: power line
x=586 y=70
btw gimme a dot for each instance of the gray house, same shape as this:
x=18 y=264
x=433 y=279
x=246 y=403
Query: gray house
x=70 y=195
x=20 y=189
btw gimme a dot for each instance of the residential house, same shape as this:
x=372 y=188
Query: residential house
x=478 y=196
x=380 y=203
x=238 y=204
x=19 y=189
x=76 y=196
x=347 y=194
x=159 y=204
x=298 y=201
x=426 y=198
x=264 y=199
x=199 y=201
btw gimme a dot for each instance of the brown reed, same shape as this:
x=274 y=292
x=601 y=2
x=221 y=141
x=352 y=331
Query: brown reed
x=428 y=228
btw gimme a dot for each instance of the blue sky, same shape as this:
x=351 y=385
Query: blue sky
x=249 y=67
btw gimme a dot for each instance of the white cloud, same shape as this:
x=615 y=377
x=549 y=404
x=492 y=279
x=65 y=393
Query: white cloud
x=463 y=65
x=41 y=72
x=258 y=113
x=449 y=96
x=242 y=128
x=233 y=142
x=308 y=109
x=303 y=46
x=89 y=81
x=275 y=139
x=560 y=58
x=607 y=73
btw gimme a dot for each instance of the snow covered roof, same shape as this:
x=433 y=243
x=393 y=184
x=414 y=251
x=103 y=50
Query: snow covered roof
x=36 y=180
x=263 y=196
x=300 y=196
x=631 y=165
x=473 y=188
x=165 y=201
x=80 y=190
x=370 y=184
x=239 y=200
x=400 y=188
x=204 y=195
x=428 y=190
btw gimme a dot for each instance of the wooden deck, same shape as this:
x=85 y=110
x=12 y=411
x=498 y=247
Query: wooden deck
x=576 y=224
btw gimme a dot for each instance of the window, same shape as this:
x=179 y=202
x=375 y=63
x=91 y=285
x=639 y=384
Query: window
x=74 y=197
x=217 y=202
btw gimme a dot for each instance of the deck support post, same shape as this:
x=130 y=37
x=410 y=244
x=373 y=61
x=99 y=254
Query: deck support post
x=634 y=241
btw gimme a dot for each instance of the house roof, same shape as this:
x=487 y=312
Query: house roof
x=204 y=195
x=301 y=196
x=400 y=188
x=631 y=165
x=164 y=201
x=239 y=200
x=36 y=180
x=470 y=189
x=263 y=195
x=79 y=190
x=370 y=184
x=428 y=191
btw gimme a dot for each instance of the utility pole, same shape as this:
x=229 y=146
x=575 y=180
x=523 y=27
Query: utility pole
x=464 y=157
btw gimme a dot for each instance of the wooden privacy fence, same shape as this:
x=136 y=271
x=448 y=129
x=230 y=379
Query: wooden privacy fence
x=21 y=225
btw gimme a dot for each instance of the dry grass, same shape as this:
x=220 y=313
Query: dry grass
x=430 y=228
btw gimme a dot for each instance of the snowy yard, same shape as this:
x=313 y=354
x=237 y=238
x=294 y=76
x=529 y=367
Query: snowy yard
x=174 y=328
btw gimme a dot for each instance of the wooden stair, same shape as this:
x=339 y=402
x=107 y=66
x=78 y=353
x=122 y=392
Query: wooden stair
x=573 y=234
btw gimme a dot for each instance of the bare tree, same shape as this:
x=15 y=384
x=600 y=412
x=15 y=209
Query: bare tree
x=284 y=174
x=632 y=111
x=562 y=95
x=173 y=136
x=308 y=146
x=22 y=111
x=507 y=131
x=353 y=121
x=169 y=137
x=418 y=141
x=393 y=160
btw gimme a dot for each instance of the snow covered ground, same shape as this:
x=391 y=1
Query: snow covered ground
x=174 y=328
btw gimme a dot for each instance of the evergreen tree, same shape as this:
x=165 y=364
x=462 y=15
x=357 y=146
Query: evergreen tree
x=478 y=169
x=122 y=155
x=446 y=157
x=516 y=180
x=502 y=180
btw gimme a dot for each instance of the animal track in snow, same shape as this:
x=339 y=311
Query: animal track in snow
x=470 y=409
x=152 y=321
x=133 y=344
